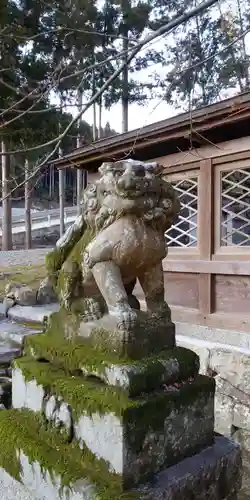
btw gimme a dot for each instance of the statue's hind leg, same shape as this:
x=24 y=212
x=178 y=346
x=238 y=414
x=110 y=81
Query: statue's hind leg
x=152 y=283
x=132 y=299
x=108 y=278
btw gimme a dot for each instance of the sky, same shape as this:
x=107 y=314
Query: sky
x=139 y=116
x=154 y=110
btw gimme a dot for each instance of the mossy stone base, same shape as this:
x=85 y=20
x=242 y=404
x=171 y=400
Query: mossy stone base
x=148 y=374
x=135 y=436
x=149 y=336
x=50 y=470
x=134 y=376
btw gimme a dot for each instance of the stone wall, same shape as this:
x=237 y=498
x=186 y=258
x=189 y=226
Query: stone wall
x=230 y=366
x=226 y=356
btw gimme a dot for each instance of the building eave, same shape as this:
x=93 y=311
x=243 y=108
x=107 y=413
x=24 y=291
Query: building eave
x=217 y=116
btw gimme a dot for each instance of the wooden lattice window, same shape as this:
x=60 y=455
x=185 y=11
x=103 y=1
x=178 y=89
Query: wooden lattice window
x=235 y=207
x=183 y=232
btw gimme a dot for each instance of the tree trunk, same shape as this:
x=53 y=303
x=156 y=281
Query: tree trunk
x=94 y=105
x=94 y=121
x=79 y=179
x=125 y=92
x=100 y=119
x=244 y=50
x=61 y=183
x=27 y=200
x=6 y=203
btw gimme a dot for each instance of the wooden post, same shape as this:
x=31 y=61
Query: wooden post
x=27 y=196
x=61 y=200
x=205 y=233
x=79 y=190
x=6 y=203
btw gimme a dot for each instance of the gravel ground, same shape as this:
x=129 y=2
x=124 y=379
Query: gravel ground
x=32 y=257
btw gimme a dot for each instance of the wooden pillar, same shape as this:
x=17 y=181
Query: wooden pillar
x=79 y=187
x=6 y=203
x=205 y=233
x=61 y=200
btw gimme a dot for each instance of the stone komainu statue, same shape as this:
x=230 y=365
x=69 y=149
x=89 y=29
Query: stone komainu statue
x=119 y=238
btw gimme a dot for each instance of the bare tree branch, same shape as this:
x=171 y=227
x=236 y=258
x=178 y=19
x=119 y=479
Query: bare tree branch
x=166 y=28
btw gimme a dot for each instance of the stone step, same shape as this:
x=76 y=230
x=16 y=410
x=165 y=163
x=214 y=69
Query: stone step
x=8 y=353
x=94 y=413
x=35 y=465
x=32 y=314
x=14 y=333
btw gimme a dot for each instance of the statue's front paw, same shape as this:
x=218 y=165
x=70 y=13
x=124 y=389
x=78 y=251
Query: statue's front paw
x=126 y=317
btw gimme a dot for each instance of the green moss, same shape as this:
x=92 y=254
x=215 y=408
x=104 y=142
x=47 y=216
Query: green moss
x=87 y=396
x=69 y=283
x=33 y=325
x=58 y=256
x=76 y=255
x=22 y=430
x=152 y=372
x=74 y=355
x=138 y=416
x=83 y=395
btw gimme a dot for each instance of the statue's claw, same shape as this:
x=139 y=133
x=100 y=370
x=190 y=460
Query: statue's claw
x=125 y=316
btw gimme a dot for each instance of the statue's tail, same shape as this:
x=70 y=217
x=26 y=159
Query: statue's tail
x=56 y=258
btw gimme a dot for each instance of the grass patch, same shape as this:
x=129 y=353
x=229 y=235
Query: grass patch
x=23 y=275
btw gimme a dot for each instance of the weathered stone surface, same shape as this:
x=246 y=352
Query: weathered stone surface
x=243 y=438
x=148 y=336
x=223 y=414
x=145 y=436
x=202 y=352
x=46 y=293
x=232 y=366
x=148 y=374
x=2 y=309
x=21 y=295
x=241 y=416
x=193 y=478
x=15 y=333
x=236 y=405
x=58 y=414
x=42 y=486
x=135 y=376
x=7 y=304
x=8 y=354
x=36 y=314
x=223 y=386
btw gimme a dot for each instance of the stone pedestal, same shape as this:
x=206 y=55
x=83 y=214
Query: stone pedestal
x=96 y=423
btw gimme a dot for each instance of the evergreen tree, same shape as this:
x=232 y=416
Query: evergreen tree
x=204 y=38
